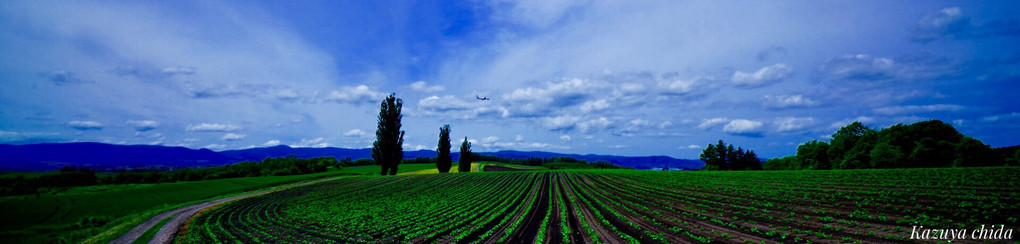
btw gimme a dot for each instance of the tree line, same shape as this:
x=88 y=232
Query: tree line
x=70 y=176
x=722 y=156
x=925 y=144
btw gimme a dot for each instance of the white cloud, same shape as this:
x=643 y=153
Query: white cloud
x=863 y=67
x=287 y=95
x=143 y=125
x=594 y=125
x=409 y=147
x=85 y=125
x=541 y=101
x=27 y=137
x=709 y=123
x=947 y=23
x=792 y=124
x=841 y=123
x=445 y=103
x=355 y=95
x=744 y=127
x=909 y=109
x=788 y=101
x=233 y=137
x=536 y=14
x=565 y=138
x=997 y=117
x=421 y=86
x=215 y=146
x=519 y=138
x=490 y=139
x=763 y=76
x=860 y=67
x=206 y=127
x=593 y=106
x=355 y=133
x=455 y=107
x=317 y=143
x=692 y=146
x=672 y=85
x=271 y=143
x=665 y=124
x=562 y=122
x=618 y=146
x=178 y=70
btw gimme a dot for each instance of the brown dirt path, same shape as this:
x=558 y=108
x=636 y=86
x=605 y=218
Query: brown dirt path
x=167 y=232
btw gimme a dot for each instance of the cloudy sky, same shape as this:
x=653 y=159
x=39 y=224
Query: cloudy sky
x=603 y=77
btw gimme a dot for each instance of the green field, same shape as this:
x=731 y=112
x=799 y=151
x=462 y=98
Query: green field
x=617 y=206
x=83 y=212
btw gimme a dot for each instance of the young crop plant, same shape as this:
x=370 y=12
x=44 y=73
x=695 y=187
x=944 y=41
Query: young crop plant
x=614 y=207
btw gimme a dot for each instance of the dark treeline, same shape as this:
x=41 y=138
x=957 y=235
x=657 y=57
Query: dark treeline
x=722 y=156
x=923 y=144
x=553 y=162
x=70 y=176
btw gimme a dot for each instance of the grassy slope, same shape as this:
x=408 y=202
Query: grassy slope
x=453 y=169
x=51 y=217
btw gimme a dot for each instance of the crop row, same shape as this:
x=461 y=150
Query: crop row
x=617 y=206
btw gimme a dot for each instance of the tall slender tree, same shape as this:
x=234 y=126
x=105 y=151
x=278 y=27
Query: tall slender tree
x=387 y=150
x=464 y=163
x=443 y=160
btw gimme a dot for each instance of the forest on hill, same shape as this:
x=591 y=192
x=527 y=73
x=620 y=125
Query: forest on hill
x=926 y=144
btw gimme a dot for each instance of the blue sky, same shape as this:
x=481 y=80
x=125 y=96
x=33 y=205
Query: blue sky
x=603 y=77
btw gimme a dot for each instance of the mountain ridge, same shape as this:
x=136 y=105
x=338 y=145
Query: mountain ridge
x=102 y=156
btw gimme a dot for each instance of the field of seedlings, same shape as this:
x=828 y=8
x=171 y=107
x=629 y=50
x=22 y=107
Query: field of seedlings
x=616 y=206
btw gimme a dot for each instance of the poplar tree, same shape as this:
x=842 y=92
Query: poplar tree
x=387 y=150
x=443 y=160
x=464 y=163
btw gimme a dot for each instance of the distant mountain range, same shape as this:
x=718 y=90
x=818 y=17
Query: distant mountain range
x=101 y=156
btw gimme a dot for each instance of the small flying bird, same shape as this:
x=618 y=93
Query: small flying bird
x=481 y=98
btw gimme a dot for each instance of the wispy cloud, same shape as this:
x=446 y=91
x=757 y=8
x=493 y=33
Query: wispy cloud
x=85 y=125
x=709 y=123
x=952 y=23
x=206 y=127
x=793 y=124
x=743 y=127
x=360 y=94
x=763 y=77
x=233 y=137
x=63 y=77
x=910 y=109
x=421 y=86
x=143 y=125
x=788 y=101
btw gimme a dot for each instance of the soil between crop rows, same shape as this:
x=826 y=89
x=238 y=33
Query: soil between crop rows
x=610 y=206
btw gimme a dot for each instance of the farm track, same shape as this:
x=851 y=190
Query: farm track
x=182 y=214
x=614 y=207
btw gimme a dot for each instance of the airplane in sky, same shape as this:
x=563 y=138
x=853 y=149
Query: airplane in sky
x=481 y=98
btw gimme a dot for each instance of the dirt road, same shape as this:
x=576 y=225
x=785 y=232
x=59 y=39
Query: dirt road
x=166 y=233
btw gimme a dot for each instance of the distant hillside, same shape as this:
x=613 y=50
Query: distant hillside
x=645 y=162
x=52 y=156
x=100 y=156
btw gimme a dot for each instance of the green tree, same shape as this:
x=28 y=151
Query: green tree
x=715 y=156
x=387 y=150
x=1016 y=158
x=464 y=163
x=884 y=155
x=724 y=157
x=813 y=155
x=972 y=152
x=443 y=160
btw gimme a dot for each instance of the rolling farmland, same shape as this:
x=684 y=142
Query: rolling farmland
x=615 y=206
